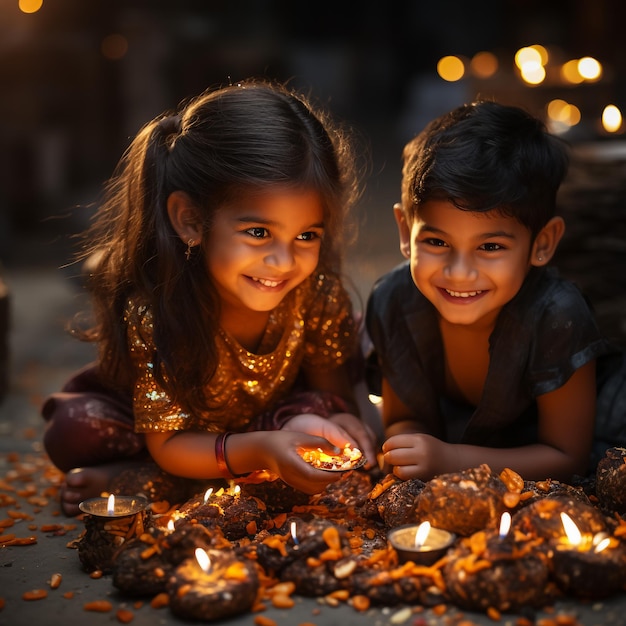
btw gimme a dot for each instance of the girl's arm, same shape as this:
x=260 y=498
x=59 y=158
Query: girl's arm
x=192 y=455
x=566 y=420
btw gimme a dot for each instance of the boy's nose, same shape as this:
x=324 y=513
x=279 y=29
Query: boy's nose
x=459 y=267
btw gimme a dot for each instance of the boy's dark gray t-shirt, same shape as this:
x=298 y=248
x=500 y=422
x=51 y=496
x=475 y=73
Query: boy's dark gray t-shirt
x=541 y=337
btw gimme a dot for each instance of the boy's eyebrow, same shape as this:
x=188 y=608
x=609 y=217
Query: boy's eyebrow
x=488 y=235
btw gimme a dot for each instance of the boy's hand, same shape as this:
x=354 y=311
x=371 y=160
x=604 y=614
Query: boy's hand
x=416 y=455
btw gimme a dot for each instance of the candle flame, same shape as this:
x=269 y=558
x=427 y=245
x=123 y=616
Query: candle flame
x=236 y=490
x=421 y=534
x=203 y=559
x=505 y=524
x=170 y=525
x=603 y=545
x=293 y=533
x=111 y=505
x=571 y=530
x=207 y=494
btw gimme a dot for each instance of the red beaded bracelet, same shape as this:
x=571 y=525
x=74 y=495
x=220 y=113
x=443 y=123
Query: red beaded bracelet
x=220 y=455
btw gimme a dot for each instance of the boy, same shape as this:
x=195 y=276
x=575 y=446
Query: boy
x=485 y=354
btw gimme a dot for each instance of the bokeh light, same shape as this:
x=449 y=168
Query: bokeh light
x=451 y=68
x=484 y=64
x=611 y=118
x=30 y=6
x=589 y=68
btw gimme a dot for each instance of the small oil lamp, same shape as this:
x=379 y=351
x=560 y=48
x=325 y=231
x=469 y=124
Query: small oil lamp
x=109 y=522
x=213 y=585
x=586 y=564
x=422 y=544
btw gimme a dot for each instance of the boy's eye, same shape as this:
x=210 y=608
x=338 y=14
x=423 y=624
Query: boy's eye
x=491 y=247
x=258 y=232
x=432 y=241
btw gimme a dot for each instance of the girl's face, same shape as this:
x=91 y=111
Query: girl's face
x=469 y=265
x=263 y=246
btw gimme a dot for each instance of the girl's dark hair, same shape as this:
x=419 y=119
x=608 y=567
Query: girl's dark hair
x=251 y=137
x=485 y=156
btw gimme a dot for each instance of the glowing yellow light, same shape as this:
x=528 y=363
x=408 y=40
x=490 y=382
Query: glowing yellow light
x=556 y=109
x=203 y=559
x=532 y=72
x=374 y=399
x=571 y=530
x=451 y=68
x=542 y=52
x=30 y=6
x=114 y=47
x=611 y=118
x=421 y=534
x=589 y=68
x=484 y=64
x=527 y=55
x=570 y=72
x=505 y=524
x=562 y=116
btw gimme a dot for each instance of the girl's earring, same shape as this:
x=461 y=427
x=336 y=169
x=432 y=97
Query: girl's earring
x=190 y=244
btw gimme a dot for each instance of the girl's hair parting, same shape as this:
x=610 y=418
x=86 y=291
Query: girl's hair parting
x=229 y=142
x=487 y=156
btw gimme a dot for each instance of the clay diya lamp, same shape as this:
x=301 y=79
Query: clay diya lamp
x=420 y=543
x=590 y=565
x=346 y=460
x=213 y=585
x=498 y=569
x=109 y=522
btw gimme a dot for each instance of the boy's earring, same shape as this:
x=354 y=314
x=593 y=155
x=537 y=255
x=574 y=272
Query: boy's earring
x=190 y=244
x=539 y=258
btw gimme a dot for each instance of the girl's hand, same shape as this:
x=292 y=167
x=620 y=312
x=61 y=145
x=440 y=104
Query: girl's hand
x=281 y=451
x=340 y=429
x=416 y=455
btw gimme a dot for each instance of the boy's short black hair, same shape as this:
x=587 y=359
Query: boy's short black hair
x=483 y=156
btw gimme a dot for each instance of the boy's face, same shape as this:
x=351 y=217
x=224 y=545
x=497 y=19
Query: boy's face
x=468 y=265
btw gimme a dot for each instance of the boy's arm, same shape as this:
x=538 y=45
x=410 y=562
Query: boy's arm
x=566 y=420
x=397 y=417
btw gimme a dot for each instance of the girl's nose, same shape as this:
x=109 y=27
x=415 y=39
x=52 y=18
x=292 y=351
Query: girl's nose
x=280 y=256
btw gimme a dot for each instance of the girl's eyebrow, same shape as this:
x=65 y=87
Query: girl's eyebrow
x=244 y=219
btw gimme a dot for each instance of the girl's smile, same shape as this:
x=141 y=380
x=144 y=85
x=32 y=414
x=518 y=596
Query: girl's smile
x=262 y=247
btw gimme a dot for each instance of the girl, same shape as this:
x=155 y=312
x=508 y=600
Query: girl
x=217 y=299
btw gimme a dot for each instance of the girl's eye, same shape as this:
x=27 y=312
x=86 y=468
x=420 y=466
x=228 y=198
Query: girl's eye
x=491 y=247
x=258 y=232
x=308 y=236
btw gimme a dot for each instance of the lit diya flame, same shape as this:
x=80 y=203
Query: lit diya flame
x=111 y=505
x=207 y=494
x=293 y=535
x=571 y=530
x=203 y=559
x=601 y=541
x=349 y=458
x=170 y=526
x=421 y=534
x=505 y=524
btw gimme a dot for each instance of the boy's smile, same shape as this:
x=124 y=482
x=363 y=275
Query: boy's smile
x=468 y=264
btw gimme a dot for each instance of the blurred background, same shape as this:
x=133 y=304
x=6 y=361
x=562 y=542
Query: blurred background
x=80 y=77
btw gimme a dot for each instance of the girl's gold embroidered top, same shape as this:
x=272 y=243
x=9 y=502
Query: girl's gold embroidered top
x=312 y=326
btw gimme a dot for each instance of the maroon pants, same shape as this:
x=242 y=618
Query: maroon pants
x=90 y=424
